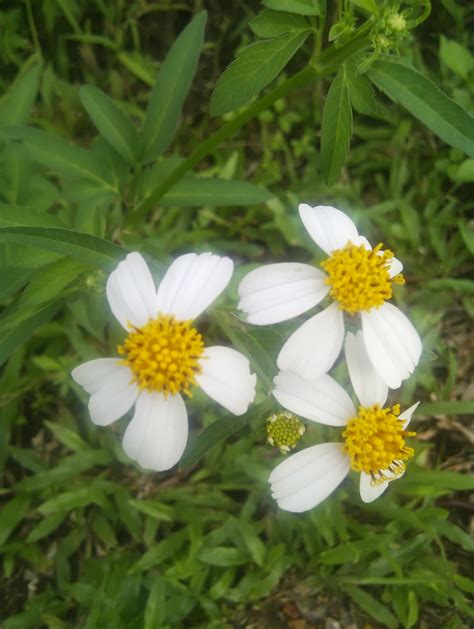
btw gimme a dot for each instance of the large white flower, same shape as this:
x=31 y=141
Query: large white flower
x=359 y=281
x=374 y=435
x=163 y=355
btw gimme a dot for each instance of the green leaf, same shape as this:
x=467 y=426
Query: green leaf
x=219 y=430
x=171 y=88
x=450 y=283
x=15 y=106
x=361 y=94
x=47 y=525
x=20 y=333
x=275 y=23
x=159 y=553
x=68 y=437
x=424 y=100
x=456 y=57
x=11 y=515
x=50 y=282
x=223 y=556
x=195 y=191
x=465 y=172
x=371 y=606
x=336 y=128
x=15 y=216
x=12 y=278
x=254 y=68
x=155 y=609
x=88 y=249
x=303 y=7
x=73 y=499
x=59 y=155
x=111 y=123
x=461 y=407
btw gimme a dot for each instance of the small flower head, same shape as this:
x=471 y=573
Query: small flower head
x=396 y=22
x=375 y=442
x=284 y=430
x=163 y=355
x=359 y=277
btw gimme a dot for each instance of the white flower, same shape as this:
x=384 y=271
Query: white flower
x=358 y=278
x=374 y=436
x=163 y=356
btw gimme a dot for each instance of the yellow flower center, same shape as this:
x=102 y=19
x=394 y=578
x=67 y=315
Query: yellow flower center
x=163 y=355
x=359 y=278
x=375 y=442
x=284 y=431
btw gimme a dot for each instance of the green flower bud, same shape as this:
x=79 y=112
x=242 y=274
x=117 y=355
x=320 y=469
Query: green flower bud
x=284 y=430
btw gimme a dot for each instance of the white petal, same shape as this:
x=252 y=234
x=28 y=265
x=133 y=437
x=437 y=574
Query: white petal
x=192 y=283
x=322 y=400
x=305 y=479
x=277 y=292
x=131 y=292
x=395 y=267
x=329 y=228
x=110 y=384
x=226 y=378
x=369 y=492
x=93 y=374
x=392 y=343
x=313 y=348
x=368 y=386
x=407 y=415
x=157 y=435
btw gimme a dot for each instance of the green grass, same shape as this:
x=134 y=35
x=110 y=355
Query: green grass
x=88 y=540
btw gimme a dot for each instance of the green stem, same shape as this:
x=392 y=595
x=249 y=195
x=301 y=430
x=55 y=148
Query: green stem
x=304 y=77
x=325 y=64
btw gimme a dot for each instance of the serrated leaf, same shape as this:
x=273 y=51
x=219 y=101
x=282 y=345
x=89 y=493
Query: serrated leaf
x=275 y=23
x=111 y=122
x=336 y=128
x=425 y=101
x=159 y=553
x=15 y=106
x=254 y=68
x=88 y=249
x=303 y=7
x=171 y=88
x=223 y=556
x=68 y=437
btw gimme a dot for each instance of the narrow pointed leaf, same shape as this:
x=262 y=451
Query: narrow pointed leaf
x=424 y=100
x=254 y=68
x=336 y=128
x=111 y=123
x=171 y=88
x=55 y=153
x=15 y=106
x=303 y=7
x=87 y=249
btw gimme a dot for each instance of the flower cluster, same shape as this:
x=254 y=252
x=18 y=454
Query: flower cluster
x=163 y=357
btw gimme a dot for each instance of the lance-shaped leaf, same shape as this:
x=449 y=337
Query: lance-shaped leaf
x=424 y=100
x=87 y=249
x=275 y=23
x=255 y=67
x=336 y=128
x=55 y=153
x=171 y=88
x=111 y=122
x=15 y=106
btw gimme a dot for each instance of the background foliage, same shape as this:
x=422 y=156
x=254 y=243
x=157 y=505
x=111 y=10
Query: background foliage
x=86 y=539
